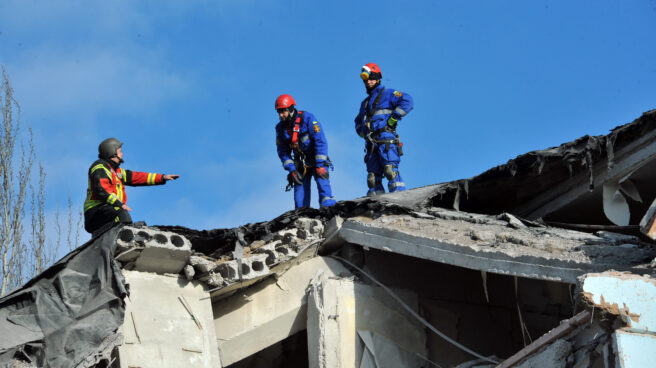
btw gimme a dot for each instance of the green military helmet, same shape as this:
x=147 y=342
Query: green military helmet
x=107 y=148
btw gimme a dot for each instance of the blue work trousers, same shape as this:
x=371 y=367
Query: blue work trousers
x=302 y=191
x=382 y=155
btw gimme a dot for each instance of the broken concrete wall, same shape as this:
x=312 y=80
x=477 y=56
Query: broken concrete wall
x=632 y=300
x=268 y=312
x=169 y=323
x=356 y=325
x=614 y=328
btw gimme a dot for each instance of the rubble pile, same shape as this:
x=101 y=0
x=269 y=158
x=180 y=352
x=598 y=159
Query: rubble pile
x=150 y=249
x=259 y=257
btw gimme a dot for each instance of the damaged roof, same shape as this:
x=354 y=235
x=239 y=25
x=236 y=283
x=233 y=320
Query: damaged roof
x=484 y=223
x=572 y=173
x=544 y=183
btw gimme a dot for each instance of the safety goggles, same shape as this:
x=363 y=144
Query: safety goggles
x=365 y=73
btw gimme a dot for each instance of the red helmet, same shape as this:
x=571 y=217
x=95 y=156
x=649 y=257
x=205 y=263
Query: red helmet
x=371 y=71
x=284 y=101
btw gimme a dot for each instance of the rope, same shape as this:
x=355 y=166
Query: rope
x=414 y=314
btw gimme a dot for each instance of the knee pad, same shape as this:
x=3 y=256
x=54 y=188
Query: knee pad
x=371 y=180
x=390 y=174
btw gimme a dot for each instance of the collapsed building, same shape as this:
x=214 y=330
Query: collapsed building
x=545 y=261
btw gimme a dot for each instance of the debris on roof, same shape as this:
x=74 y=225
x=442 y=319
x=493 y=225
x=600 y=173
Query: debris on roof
x=524 y=265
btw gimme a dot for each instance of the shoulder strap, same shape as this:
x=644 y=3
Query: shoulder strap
x=297 y=128
x=370 y=113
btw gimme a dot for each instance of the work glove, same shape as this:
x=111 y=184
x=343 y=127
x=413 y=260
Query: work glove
x=392 y=121
x=295 y=177
x=290 y=167
x=322 y=172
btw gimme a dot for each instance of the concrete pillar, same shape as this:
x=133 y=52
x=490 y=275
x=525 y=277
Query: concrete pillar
x=355 y=325
x=269 y=312
x=168 y=323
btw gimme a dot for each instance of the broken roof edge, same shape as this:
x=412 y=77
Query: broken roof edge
x=588 y=252
x=521 y=179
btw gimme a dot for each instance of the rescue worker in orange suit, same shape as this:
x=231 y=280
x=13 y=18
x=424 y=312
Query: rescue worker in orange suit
x=376 y=122
x=106 y=200
x=303 y=151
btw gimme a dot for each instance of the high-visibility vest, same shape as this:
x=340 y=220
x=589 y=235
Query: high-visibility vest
x=114 y=184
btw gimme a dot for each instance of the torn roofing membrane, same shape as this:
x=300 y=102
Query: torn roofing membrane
x=66 y=316
x=553 y=183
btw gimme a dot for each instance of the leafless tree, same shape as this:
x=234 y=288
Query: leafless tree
x=20 y=260
x=14 y=179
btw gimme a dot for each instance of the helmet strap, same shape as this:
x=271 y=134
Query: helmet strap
x=292 y=112
x=374 y=86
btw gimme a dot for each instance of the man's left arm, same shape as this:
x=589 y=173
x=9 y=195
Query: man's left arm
x=403 y=104
x=320 y=147
x=138 y=178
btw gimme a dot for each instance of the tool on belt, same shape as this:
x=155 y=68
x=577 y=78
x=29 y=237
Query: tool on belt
x=369 y=137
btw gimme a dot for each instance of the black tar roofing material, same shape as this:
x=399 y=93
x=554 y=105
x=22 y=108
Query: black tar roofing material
x=505 y=187
x=61 y=317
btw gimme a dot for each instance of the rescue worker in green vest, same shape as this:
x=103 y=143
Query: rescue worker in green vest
x=106 y=200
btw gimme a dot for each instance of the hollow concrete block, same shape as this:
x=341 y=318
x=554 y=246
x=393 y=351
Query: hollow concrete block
x=160 y=251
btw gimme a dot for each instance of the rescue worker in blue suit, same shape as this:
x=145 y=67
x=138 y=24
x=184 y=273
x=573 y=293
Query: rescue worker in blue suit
x=376 y=122
x=303 y=151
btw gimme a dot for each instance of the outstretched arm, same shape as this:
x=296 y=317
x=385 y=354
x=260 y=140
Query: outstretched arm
x=138 y=178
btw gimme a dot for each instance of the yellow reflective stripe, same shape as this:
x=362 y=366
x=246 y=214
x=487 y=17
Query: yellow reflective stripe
x=112 y=198
x=101 y=166
x=88 y=204
x=119 y=192
x=151 y=179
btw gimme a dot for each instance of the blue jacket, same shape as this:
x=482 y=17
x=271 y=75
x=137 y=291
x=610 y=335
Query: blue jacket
x=391 y=103
x=311 y=141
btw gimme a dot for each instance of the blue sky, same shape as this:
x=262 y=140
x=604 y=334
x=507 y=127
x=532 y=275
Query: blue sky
x=190 y=86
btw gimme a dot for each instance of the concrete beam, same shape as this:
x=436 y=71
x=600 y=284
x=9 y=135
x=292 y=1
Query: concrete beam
x=521 y=261
x=168 y=323
x=268 y=312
